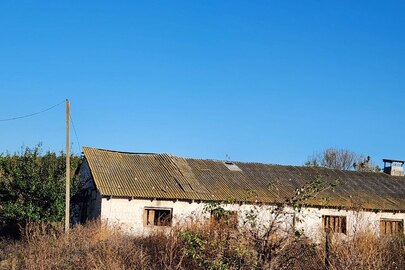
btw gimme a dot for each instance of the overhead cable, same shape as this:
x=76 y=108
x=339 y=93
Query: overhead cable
x=32 y=114
x=74 y=129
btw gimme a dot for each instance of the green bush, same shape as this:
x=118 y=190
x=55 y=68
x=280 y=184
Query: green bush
x=32 y=186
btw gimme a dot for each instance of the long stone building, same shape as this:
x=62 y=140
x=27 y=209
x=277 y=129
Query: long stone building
x=145 y=192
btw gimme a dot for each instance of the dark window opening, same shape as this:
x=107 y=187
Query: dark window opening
x=158 y=217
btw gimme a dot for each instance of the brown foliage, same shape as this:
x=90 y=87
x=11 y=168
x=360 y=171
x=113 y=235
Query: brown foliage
x=340 y=159
x=367 y=251
x=197 y=245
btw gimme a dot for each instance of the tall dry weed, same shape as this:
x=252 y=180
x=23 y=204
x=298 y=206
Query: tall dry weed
x=367 y=251
x=196 y=245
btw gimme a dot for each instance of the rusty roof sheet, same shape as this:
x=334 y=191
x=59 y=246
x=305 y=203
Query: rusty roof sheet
x=164 y=176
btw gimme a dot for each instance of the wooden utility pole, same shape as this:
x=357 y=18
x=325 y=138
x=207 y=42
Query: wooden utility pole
x=67 y=198
x=327 y=249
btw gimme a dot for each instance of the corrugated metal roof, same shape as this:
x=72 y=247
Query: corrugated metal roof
x=164 y=176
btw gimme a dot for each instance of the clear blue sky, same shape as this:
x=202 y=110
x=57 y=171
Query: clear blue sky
x=266 y=81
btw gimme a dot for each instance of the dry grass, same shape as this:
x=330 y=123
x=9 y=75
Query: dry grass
x=193 y=246
x=367 y=251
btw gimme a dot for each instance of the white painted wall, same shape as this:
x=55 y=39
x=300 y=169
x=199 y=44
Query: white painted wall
x=129 y=214
x=356 y=221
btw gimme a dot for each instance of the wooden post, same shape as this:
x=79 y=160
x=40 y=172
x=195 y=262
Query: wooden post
x=327 y=249
x=67 y=196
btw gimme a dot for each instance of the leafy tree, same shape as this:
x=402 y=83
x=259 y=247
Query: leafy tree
x=32 y=185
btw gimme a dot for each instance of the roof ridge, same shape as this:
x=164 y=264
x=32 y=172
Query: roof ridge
x=122 y=152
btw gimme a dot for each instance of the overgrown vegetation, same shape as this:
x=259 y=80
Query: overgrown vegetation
x=197 y=245
x=32 y=186
x=365 y=250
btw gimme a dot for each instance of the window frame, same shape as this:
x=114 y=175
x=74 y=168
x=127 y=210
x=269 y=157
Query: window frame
x=399 y=224
x=334 y=224
x=150 y=216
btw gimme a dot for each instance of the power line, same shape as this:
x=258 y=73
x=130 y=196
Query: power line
x=42 y=111
x=32 y=114
x=74 y=130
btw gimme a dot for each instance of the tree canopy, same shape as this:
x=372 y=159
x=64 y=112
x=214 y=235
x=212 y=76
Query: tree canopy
x=32 y=185
x=342 y=159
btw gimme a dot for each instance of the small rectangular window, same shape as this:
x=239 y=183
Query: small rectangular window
x=391 y=226
x=335 y=224
x=158 y=216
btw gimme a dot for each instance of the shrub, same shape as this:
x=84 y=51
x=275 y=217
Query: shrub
x=196 y=245
x=32 y=187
